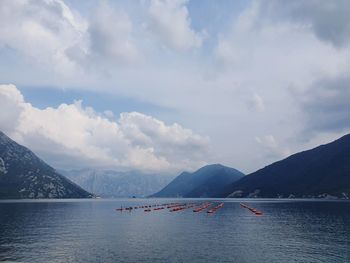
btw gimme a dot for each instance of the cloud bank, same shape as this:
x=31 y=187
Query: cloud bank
x=273 y=70
x=325 y=104
x=170 y=22
x=72 y=135
x=43 y=32
x=329 y=20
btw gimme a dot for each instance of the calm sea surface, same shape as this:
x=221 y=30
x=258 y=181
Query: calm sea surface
x=92 y=231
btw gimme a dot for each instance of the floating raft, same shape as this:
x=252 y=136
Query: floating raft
x=172 y=207
x=181 y=207
x=214 y=209
x=201 y=207
x=158 y=208
x=253 y=210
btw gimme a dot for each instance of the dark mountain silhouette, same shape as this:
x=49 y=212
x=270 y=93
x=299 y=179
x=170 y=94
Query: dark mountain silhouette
x=24 y=175
x=208 y=181
x=320 y=172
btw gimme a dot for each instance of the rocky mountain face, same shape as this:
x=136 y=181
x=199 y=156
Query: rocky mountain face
x=208 y=181
x=322 y=172
x=24 y=175
x=109 y=183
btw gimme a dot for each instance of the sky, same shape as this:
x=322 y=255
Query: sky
x=166 y=86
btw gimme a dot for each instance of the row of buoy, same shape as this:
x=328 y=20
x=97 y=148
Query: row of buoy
x=253 y=210
x=182 y=207
x=173 y=207
x=201 y=207
x=214 y=209
x=146 y=207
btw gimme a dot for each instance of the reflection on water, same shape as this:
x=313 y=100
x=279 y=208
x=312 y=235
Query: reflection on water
x=92 y=231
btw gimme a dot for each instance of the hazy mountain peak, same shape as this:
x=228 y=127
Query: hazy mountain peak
x=205 y=182
x=113 y=183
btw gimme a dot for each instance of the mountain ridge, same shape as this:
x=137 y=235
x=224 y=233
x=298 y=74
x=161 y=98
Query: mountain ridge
x=114 y=184
x=200 y=183
x=317 y=172
x=24 y=175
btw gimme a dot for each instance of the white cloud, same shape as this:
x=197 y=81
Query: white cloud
x=170 y=22
x=271 y=147
x=42 y=31
x=73 y=135
x=11 y=107
x=110 y=35
x=328 y=20
x=325 y=105
x=266 y=48
x=57 y=40
x=267 y=57
x=257 y=103
x=109 y=114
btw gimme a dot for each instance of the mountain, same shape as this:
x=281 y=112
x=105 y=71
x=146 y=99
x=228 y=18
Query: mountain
x=321 y=172
x=109 y=183
x=24 y=175
x=208 y=181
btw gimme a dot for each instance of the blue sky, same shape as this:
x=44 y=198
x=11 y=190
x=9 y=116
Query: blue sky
x=173 y=85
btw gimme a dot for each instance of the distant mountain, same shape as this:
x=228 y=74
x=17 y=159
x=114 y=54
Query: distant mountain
x=321 y=172
x=208 y=181
x=24 y=175
x=109 y=183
